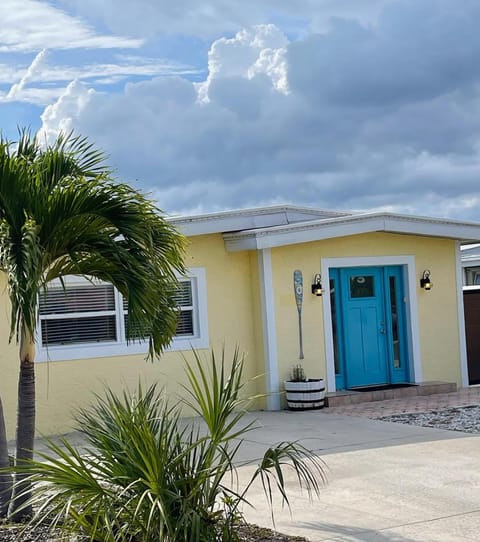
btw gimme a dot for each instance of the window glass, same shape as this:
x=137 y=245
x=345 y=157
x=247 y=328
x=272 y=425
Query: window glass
x=362 y=286
x=185 y=325
x=184 y=301
x=90 y=319
x=472 y=276
x=395 y=333
x=91 y=314
x=79 y=330
x=88 y=298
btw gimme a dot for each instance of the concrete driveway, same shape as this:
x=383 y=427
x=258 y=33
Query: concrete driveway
x=387 y=481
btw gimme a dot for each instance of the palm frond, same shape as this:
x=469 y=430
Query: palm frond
x=148 y=475
x=216 y=395
x=62 y=213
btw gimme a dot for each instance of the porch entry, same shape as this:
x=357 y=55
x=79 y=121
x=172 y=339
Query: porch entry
x=368 y=322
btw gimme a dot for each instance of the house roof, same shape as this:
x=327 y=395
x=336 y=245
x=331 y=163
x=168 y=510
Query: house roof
x=268 y=227
x=248 y=219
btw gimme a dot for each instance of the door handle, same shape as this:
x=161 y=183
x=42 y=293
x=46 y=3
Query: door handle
x=382 y=328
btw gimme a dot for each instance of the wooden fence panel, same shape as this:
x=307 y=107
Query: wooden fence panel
x=471 y=303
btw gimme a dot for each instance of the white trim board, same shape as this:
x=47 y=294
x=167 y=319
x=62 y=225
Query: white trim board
x=461 y=319
x=329 y=228
x=269 y=330
x=248 y=219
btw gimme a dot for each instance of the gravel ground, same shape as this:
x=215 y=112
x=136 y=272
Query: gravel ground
x=466 y=419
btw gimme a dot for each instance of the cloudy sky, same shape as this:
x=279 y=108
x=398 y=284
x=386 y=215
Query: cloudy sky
x=223 y=104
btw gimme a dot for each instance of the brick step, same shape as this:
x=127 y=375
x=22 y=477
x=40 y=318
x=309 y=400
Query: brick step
x=351 y=397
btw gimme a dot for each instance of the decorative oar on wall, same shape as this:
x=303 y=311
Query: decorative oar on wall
x=298 y=289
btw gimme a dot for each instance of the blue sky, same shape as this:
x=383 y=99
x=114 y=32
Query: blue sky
x=221 y=104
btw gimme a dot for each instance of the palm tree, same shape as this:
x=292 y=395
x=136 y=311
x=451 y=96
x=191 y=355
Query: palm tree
x=61 y=213
x=5 y=478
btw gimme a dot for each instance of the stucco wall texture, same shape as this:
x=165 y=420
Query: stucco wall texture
x=235 y=319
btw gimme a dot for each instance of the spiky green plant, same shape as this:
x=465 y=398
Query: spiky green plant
x=147 y=474
x=62 y=213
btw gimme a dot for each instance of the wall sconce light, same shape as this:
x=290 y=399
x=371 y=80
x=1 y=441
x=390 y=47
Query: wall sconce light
x=317 y=285
x=425 y=281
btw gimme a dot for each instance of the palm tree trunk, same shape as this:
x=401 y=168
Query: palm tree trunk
x=5 y=478
x=25 y=425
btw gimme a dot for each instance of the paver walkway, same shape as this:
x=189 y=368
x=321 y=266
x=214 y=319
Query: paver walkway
x=438 y=401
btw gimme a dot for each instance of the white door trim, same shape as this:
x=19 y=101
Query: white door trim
x=411 y=308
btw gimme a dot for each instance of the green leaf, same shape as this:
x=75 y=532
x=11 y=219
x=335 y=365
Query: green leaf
x=148 y=474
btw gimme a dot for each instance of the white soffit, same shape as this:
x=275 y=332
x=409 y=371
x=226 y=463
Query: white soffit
x=249 y=219
x=327 y=228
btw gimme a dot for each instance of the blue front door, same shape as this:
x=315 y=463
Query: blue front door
x=371 y=345
x=364 y=320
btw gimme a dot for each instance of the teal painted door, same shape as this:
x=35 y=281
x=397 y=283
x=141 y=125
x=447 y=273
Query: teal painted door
x=363 y=309
x=369 y=326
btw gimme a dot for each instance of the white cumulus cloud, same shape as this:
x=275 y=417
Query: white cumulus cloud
x=61 y=115
x=32 y=70
x=356 y=117
x=251 y=52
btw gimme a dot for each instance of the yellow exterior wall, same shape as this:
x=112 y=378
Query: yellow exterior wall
x=234 y=310
x=437 y=309
x=63 y=386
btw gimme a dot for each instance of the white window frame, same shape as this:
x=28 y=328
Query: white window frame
x=199 y=339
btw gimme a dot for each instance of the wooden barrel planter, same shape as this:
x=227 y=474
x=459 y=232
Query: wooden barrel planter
x=306 y=395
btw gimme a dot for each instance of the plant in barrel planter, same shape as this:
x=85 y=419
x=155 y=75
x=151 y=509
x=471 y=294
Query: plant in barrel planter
x=304 y=393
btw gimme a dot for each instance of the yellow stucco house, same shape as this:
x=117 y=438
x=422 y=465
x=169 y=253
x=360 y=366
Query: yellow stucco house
x=377 y=321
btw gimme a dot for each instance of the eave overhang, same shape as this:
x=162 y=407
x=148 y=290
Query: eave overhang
x=249 y=219
x=329 y=228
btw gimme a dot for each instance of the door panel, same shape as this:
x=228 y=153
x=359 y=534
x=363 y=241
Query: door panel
x=365 y=331
x=369 y=326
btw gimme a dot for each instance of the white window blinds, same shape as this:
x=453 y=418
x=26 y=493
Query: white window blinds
x=78 y=314
x=90 y=319
x=184 y=300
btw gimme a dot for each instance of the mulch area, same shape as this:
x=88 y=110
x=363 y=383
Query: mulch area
x=247 y=533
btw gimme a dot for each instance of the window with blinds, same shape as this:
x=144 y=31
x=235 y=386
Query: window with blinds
x=87 y=314
x=78 y=314
x=90 y=319
x=184 y=300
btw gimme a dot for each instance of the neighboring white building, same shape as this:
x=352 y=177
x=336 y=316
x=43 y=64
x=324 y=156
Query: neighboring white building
x=471 y=265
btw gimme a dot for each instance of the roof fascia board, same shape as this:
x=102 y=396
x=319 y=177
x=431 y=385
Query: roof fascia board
x=230 y=223
x=351 y=225
x=433 y=228
x=271 y=239
x=248 y=219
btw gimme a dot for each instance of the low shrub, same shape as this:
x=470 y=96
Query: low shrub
x=147 y=474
